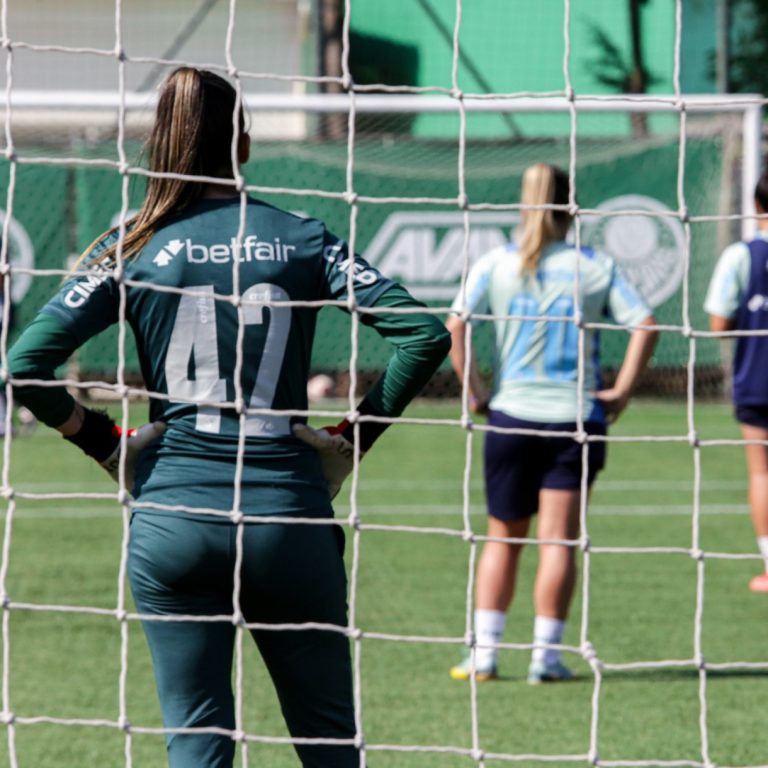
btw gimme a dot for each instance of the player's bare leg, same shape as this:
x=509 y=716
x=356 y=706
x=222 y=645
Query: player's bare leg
x=555 y=581
x=495 y=586
x=497 y=568
x=556 y=575
x=757 y=466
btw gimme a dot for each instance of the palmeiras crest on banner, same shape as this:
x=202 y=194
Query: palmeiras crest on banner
x=424 y=249
x=650 y=249
x=21 y=255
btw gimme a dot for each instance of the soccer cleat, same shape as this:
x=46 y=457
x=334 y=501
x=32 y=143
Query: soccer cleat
x=463 y=671
x=540 y=672
x=759 y=583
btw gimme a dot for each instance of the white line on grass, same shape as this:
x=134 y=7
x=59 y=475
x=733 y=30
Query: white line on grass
x=599 y=510
x=437 y=484
x=51 y=512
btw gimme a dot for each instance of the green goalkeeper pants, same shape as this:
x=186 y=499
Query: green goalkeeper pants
x=291 y=573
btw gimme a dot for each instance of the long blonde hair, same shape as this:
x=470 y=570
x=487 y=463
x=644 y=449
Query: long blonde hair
x=192 y=135
x=543 y=184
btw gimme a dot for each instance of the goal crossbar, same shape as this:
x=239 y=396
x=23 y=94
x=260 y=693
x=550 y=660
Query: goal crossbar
x=750 y=106
x=398 y=102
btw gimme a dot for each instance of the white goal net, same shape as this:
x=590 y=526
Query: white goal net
x=421 y=209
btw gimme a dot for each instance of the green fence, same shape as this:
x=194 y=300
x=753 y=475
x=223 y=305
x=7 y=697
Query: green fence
x=64 y=208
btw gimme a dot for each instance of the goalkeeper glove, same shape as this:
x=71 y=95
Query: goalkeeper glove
x=100 y=438
x=337 y=453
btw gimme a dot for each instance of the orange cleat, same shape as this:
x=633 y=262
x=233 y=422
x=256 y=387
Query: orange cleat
x=759 y=583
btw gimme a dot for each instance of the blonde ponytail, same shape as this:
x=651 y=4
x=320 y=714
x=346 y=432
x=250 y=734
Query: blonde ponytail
x=191 y=136
x=543 y=184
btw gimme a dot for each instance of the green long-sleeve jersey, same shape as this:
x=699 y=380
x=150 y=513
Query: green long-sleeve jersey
x=193 y=336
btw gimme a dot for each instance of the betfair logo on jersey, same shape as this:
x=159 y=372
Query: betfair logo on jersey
x=167 y=252
x=250 y=249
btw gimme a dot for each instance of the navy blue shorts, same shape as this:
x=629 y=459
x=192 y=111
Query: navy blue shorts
x=753 y=415
x=517 y=467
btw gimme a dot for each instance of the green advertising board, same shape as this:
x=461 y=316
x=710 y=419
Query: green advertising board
x=422 y=243
x=39 y=235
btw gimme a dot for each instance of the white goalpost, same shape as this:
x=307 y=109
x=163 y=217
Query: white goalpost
x=69 y=107
x=289 y=115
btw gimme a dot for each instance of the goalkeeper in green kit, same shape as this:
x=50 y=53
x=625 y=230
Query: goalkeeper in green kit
x=203 y=273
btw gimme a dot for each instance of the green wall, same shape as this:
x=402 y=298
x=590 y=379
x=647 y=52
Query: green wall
x=697 y=45
x=519 y=47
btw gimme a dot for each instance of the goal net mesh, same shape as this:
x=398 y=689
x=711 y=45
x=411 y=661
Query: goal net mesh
x=418 y=242
x=422 y=196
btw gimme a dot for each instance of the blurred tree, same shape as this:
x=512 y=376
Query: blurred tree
x=748 y=47
x=330 y=18
x=624 y=75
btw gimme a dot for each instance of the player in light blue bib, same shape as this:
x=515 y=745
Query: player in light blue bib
x=535 y=290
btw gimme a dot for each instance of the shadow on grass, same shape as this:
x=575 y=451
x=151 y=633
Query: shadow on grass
x=657 y=675
x=642 y=675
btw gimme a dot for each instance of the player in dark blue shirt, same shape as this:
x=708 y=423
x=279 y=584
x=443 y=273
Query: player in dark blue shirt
x=737 y=299
x=222 y=292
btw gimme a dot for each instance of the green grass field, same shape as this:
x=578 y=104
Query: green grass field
x=641 y=608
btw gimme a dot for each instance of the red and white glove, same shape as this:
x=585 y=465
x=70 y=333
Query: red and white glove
x=337 y=454
x=100 y=438
x=136 y=442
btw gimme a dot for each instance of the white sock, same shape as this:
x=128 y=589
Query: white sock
x=489 y=627
x=762 y=543
x=549 y=631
